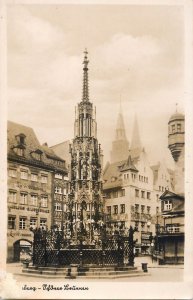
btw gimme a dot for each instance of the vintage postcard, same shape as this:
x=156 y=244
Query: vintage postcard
x=96 y=150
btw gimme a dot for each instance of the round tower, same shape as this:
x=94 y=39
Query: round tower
x=176 y=129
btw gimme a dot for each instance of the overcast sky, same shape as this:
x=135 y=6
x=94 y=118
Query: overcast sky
x=134 y=51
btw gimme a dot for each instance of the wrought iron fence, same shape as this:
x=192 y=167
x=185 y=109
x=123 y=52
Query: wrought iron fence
x=51 y=248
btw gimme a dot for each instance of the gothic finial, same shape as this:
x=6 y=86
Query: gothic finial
x=85 y=96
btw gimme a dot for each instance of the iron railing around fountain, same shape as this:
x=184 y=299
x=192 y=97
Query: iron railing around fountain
x=52 y=248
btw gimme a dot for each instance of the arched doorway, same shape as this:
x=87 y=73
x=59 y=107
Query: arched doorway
x=22 y=250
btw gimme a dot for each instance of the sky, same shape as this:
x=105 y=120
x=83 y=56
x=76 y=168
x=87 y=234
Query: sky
x=135 y=54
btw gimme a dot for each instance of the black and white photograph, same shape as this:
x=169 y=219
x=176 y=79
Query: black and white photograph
x=97 y=180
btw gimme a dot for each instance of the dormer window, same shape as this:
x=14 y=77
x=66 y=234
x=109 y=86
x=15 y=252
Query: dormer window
x=37 y=154
x=21 y=139
x=167 y=205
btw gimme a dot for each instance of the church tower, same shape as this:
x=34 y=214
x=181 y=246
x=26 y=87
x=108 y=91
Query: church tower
x=85 y=205
x=176 y=135
x=136 y=147
x=120 y=146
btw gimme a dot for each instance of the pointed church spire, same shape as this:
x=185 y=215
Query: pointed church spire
x=120 y=129
x=85 y=94
x=136 y=141
x=120 y=145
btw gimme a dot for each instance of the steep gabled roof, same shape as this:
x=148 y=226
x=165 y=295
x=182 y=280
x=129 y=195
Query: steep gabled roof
x=31 y=145
x=128 y=165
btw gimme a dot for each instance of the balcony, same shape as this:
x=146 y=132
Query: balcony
x=171 y=229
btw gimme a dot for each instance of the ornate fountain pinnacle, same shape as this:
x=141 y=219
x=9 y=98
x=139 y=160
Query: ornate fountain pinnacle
x=85 y=94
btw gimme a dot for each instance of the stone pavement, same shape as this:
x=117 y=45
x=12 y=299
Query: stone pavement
x=156 y=272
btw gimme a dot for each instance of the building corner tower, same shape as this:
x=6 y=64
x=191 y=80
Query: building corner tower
x=85 y=205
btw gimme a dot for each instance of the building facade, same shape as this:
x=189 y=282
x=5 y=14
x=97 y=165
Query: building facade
x=171 y=232
x=31 y=185
x=132 y=189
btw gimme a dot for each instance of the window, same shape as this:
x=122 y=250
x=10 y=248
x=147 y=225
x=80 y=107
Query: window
x=34 y=200
x=22 y=222
x=57 y=206
x=148 y=209
x=136 y=225
x=136 y=193
x=122 y=208
x=157 y=210
x=133 y=176
x=12 y=172
x=34 y=177
x=115 y=194
x=44 y=178
x=108 y=195
x=115 y=209
x=11 y=222
x=142 y=194
x=58 y=190
x=12 y=197
x=142 y=209
x=122 y=193
x=173 y=128
x=173 y=228
x=37 y=155
x=23 y=198
x=58 y=176
x=20 y=151
x=136 y=207
x=24 y=175
x=44 y=201
x=109 y=210
x=21 y=138
x=157 y=197
x=33 y=222
x=43 y=223
x=148 y=195
x=167 y=205
x=179 y=127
